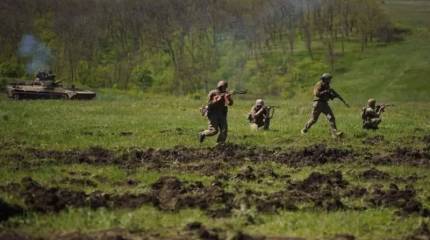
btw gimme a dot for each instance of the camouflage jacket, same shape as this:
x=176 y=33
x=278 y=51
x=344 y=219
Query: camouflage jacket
x=219 y=107
x=322 y=92
x=257 y=116
x=370 y=113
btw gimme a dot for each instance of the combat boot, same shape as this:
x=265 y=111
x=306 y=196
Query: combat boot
x=337 y=134
x=202 y=137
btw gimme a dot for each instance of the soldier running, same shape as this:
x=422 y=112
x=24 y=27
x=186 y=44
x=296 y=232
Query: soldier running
x=259 y=117
x=371 y=114
x=322 y=94
x=218 y=101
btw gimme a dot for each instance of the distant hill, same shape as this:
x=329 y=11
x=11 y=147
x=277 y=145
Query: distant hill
x=399 y=71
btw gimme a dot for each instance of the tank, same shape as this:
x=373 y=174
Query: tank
x=46 y=88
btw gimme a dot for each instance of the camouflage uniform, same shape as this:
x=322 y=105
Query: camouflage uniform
x=371 y=115
x=217 y=115
x=259 y=117
x=320 y=105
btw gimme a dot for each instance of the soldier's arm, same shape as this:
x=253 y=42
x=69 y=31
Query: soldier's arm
x=380 y=110
x=211 y=97
x=371 y=113
x=318 y=90
x=260 y=112
x=229 y=100
x=252 y=112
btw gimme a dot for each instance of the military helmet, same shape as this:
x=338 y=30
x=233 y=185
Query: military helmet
x=222 y=83
x=259 y=102
x=371 y=102
x=326 y=76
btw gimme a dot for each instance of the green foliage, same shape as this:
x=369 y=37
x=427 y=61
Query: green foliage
x=142 y=77
x=11 y=69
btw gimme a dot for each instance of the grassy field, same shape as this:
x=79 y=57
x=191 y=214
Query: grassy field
x=101 y=163
x=129 y=122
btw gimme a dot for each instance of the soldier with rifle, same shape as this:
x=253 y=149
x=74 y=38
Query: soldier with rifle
x=371 y=114
x=260 y=115
x=322 y=94
x=216 y=111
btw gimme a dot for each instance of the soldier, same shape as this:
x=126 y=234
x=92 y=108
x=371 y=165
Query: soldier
x=322 y=94
x=371 y=114
x=259 y=115
x=50 y=76
x=218 y=100
x=41 y=75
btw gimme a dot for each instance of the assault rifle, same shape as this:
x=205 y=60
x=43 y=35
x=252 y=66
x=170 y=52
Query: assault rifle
x=236 y=92
x=381 y=107
x=334 y=94
x=271 y=109
x=204 y=109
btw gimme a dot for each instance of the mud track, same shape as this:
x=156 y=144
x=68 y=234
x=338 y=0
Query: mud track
x=171 y=194
x=8 y=210
x=210 y=160
x=317 y=191
x=193 y=230
x=230 y=153
x=403 y=199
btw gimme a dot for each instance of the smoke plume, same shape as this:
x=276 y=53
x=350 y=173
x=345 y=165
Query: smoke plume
x=38 y=54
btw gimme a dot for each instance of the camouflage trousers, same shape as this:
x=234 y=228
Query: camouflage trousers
x=217 y=124
x=372 y=123
x=264 y=124
x=319 y=107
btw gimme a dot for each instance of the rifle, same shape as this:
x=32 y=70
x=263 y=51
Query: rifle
x=334 y=94
x=381 y=107
x=237 y=92
x=271 y=110
x=204 y=109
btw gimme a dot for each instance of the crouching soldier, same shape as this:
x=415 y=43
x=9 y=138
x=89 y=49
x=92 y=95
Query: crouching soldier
x=259 y=117
x=371 y=114
x=218 y=101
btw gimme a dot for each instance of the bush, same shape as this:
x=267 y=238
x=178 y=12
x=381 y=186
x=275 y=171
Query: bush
x=11 y=69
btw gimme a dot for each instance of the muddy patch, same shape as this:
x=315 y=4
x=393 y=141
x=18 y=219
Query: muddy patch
x=374 y=140
x=8 y=210
x=193 y=158
x=81 y=182
x=405 y=155
x=323 y=190
x=403 y=199
x=10 y=235
x=374 y=174
x=168 y=194
x=426 y=139
x=249 y=173
x=194 y=230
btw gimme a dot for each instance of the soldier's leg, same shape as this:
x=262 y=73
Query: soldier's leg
x=266 y=124
x=253 y=126
x=374 y=123
x=331 y=119
x=316 y=111
x=213 y=127
x=223 y=128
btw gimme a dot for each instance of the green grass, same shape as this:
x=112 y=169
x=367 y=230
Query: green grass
x=395 y=73
x=168 y=121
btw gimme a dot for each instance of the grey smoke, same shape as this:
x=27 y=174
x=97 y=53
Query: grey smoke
x=38 y=54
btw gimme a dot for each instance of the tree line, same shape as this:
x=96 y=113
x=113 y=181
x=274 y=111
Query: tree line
x=180 y=46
